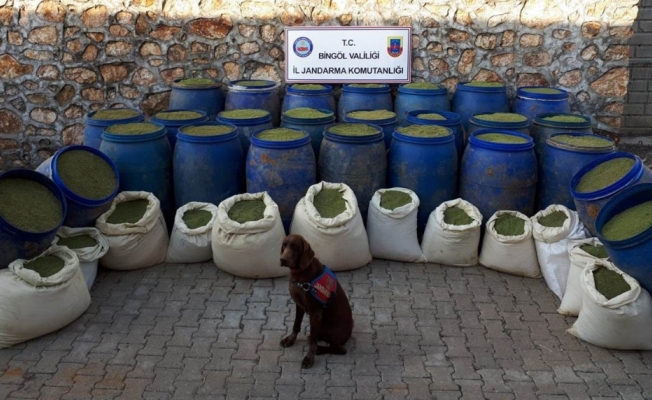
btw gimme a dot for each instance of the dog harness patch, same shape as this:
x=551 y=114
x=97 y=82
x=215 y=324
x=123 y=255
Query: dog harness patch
x=324 y=287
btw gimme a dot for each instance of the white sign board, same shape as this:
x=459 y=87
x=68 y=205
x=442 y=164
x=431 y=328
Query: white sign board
x=348 y=54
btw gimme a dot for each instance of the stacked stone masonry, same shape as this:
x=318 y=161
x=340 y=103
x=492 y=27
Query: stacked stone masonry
x=62 y=59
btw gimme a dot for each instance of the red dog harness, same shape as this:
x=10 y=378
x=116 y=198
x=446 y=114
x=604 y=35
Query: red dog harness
x=323 y=287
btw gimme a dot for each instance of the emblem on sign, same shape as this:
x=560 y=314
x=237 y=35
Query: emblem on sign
x=395 y=46
x=302 y=47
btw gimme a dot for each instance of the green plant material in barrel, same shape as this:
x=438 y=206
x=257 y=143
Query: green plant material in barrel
x=86 y=174
x=423 y=131
x=244 y=113
x=432 y=116
x=306 y=113
x=28 y=205
x=280 y=135
x=351 y=129
x=196 y=218
x=128 y=212
x=77 y=242
x=308 y=86
x=484 y=84
x=555 y=219
x=571 y=119
x=610 y=283
x=371 y=115
x=207 y=130
x=595 y=251
x=509 y=225
x=542 y=90
x=134 y=128
x=457 y=216
x=178 y=115
x=113 y=114
x=367 y=85
x=422 y=86
x=605 y=174
x=197 y=82
x=502 y=117
x=329 y=203
x=591 y=141
x=629 y=223
x=45 y=266
x=501 y=138
x=253 y=83
x=247 y=211
x=393 y=199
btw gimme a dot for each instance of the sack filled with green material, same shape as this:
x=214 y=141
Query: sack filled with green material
x=333 y=226
x=552 y=229
x=508 y=245
x=136 y=231
x=190 y=241
x=41 y=295
x=452 y=234
x=247 y=236
x=616 y=311
x=392 y=225
x=88 y=244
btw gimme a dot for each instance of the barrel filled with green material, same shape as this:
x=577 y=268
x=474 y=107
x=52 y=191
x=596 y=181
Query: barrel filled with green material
x=422 y=86
x=306 y=113
x=588 y=141
x=371 y=115
x=555 y=219
x=501 y=117
x=352 y=129
x=597 y=251
x=134 y=128
x=253 y=83
x=196 y=218
x=329 y=203
x=115 y=114
x=432 y=116
x=573 y=119
x=501 y=138
x=45 y=266
x=86 y=174
x=484 y=84
x=178 y=115
x=244 y=113
x=541 y=90
x=424 y=131
x=367 y=85
x=29 y=205
x=197 y=82
x=629 y=223
x=280 y=135
x=509 y=225
x=308 y=86
x=499 y=120
x=247 y=211
x=206 y=130
x=457 y=216
x=605 y=174
x=77 y=242
x=128 y=212
x=393 y=199
x=610 y=283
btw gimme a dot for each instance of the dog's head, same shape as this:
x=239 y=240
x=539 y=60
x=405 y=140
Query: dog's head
x=296 y=253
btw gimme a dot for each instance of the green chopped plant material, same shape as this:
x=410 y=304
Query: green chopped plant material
x=393 y=199
x=583 y=140
x=308 y=86
x=134 y=128
x=629 y=223
x=542 y=90
x=610 y=283
x=555 y=219
x=329 y=203
x=372 y=115
x=502 y=117
x=484 y=84
x=457 y=216
x=197 y=82
x=128 y=212
x=28 y=205
x=178 y=115
x=118 y=113
x=367 y=85
x=86 y=174
x=253 y=83
x=605 y=174
x=595 y=251
x=207 y=130
x=509 y=225
x=244 y=113
x=425 y=131
x=432 y=116
x=572 y=119
x=306 y=113
x=353 y=130
x=45 y=266
x=247 y=211
x=196 y=218
x=280 y=135
x=77 y=242
x=501 y=138
x=422 y=86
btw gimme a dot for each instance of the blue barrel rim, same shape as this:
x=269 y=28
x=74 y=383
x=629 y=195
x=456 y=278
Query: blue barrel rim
x=217 y=85
x=356 y=89
x=262 y=88
x=482 y=89
x=309 y=121
x=632 y=175
x=373 y=138
x=207 y=139
x=522 y=93
x=498 y=124
x=579 y=149
x=451 y=117
x=423 y=92
x=501 y=146
x=47 y=182
x=379 y=122
x=305 y=92
x=111 y=137
x=271 y=144
x=611 y=207
x=179 y=122
x=425 y=140
x=245 y=121
x=539 y=120
x=88 y=119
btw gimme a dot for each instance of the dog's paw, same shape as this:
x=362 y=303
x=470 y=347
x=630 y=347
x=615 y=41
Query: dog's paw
x=308 y=361
x=288 y=341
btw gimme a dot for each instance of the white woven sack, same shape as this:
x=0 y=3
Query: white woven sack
x=552 y=246
x=138 y=245
x=32 y=306
x=514 y=255
x=393 y=233
x=455 y=245
x=88 y=256
x=622 y=323
x=252 y=249
x=340 y=243
x=579 y=259
x=191 y=245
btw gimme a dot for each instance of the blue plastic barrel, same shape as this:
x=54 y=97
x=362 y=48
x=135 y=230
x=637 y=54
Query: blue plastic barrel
x=470 y=100
x=427 y=166
x=172 y=125
x=560 y=162
x=207 y=98
x=588 y=205
x=632 y=255
x=453 y=122
x=82 y=212
x=264 y=97
x=386 y=124
x=246 y=126
x=320 y=99
x=355 y=97
x=16 y=243
x=314 y=127
x=499 y=176
x=284 y=169
x=94 y=127
x=358 y=161
x=530 y=103
x=476 y=123
x=207 y=169
x=410 y=99
x=144 y=163
x=542 y=128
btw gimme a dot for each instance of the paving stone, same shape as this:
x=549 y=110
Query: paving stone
x=30 y=389
x=82 y=387
x=96 y=364
x=114 y=378
x=65 y=374
x=164 y=380
x=53 y=392
x=144 y=368
x=134 y=388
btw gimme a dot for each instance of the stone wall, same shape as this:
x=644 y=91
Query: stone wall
x=62 y=59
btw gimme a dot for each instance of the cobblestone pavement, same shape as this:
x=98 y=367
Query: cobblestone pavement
x=421 y=332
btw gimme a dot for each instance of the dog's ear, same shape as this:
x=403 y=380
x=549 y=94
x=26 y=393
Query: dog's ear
x=307 y=255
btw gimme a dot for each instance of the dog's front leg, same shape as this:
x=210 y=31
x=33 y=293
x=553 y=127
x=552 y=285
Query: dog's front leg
x=315 y=327
x=296 y=328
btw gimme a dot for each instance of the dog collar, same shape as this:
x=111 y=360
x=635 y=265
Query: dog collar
x=322 y=288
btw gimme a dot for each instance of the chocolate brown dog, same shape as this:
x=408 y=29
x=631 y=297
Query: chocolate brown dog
x=317 y=293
